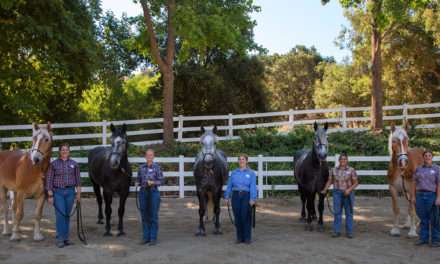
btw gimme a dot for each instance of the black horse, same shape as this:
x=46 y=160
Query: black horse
x=109 y=169
x=210 y=173
x=311 y=174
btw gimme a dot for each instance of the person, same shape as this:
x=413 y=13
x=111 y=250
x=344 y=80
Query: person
x=242 y=188
x=150 y=177
x=63 y=177
x=426 y=198
x=344 y=180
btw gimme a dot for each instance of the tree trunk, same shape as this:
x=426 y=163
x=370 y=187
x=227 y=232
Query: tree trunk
x=376 y=70
x=168 y=95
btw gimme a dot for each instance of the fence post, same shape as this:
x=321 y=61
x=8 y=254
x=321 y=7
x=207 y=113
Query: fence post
x=404 y=113
x=180 y=129
x=344 y=118
x=181 y=177
x=336 y=160
x=230 y=126
x=104 y=132
x=291 y=118
x=260 y=177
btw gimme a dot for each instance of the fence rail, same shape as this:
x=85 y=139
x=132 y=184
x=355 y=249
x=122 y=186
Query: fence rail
x=262 y=171
x=339 y=119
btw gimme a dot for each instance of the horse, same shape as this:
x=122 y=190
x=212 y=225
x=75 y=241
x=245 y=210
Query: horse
x=109 y=168
x=402 y=165
x=311 y=173
x=24 y=173
x=210 y=173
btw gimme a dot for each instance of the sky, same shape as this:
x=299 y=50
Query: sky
x=281 y=24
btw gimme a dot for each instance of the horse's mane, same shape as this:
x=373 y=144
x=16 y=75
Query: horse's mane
x=399 y=133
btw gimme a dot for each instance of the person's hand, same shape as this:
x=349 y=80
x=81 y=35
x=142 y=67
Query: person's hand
x=227 y=200
x=347 y=192
x=252 y=202
x=324 y=191
x=150 y=183
x=50 y=199
x=437 y=202
x=78 y=197
x=413 y=200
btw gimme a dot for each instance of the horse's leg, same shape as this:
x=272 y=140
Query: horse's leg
x=97 y=191
x=314 y=208
x=321 y=212
x=411 y=216
x=121 y=210
x=5 y=208
x=18 y=206
x=310 y=208
x=38 y=214
x=395 y=231
x=303 y=205
x=108 y=212
x=202 y=207
x=217 y=198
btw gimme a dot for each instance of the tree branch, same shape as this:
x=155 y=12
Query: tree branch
x=152 y=34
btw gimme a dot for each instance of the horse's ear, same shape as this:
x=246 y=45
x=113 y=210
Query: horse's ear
x=124 y=128
x=393 y=128
x=49 y=126
x=214 y=130
x=325 y=126
x=202 y=129
x=315 y=126
x=112 y=127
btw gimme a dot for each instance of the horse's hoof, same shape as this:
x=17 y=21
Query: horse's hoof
x=218 y=232
x=200 y=233
x=38 y=237
x=412 y=233
x=121 y=233
x=395 y=232
x=107 y=234
x=100 y=222
x=15 y=237
x=314 y=218
x=6 y=233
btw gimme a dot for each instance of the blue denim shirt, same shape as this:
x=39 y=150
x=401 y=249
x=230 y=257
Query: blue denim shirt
x=242 y=180
x=153 y=173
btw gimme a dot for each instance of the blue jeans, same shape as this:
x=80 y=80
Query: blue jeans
x=343 y=202
x=149 y=202
x=425 y=204
x=242 y=215
x=63 y=199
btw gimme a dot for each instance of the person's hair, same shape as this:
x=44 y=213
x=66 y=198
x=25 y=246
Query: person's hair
x=343 y=154
x=427 y=151
x=64 y=144
x=150 y=149
x=244 y=155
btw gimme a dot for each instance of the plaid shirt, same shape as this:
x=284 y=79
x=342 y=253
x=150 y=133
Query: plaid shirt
x=152 y=173
x=62 y=174
x=342 y=178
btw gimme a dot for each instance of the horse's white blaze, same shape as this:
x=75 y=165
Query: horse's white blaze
x=34 y=152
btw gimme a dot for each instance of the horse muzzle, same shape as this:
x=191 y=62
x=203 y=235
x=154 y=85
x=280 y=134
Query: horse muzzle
x=36 y=157
x=115 y=161
x=402 y=161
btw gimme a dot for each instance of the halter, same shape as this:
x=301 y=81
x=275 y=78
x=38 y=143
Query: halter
x=39 y=151
x=205 y=163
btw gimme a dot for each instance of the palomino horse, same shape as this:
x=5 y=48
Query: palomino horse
x=403 y=163
x=24 y=173
x=210 y=172
x=109 y=168
x=311 y=174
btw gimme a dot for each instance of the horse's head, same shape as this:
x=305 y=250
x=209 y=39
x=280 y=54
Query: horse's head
x=208 y=140
x=398 y=146
x=41 y=143
x=119 y=145
x=320 y=142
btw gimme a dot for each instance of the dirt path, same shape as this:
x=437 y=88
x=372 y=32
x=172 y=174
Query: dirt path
x=278 y=238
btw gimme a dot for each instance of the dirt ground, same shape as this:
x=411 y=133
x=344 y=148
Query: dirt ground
x=278 y=238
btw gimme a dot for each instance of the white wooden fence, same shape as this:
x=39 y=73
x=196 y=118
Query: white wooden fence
x=261 y=168
x=340 y=119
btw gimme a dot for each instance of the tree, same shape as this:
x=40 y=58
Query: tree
x=290 y=78
x=192 y=25
x=383 y=17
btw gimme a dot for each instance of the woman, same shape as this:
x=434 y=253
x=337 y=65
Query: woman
x=62 y=179
x=344 y=180
x=150 y=177
x=243 y=189
x=426 y=198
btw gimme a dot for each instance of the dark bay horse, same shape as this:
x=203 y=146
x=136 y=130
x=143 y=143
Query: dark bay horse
x=210 y=173
x=24 y=173
x=403 y=163
x=109 y=168
x=311 y=174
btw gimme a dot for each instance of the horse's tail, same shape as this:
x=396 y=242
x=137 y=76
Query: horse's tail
x=210 y=207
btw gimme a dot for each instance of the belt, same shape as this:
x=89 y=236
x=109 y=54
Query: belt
x=241 y=192
x=425 y=191
x=65 y=187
